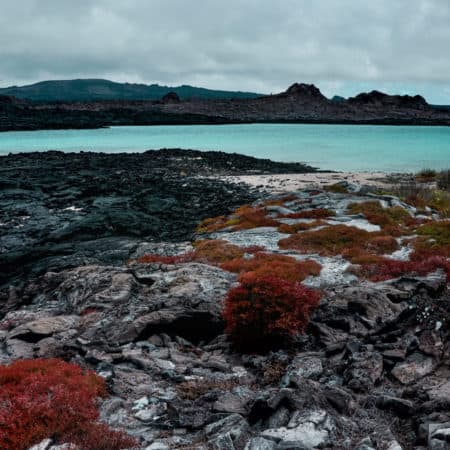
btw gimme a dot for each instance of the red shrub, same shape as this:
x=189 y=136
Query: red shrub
x=269 y=264
x=160 y=259
x=280 y=201
x=390 y=268
x=264 y=311
x=247 y=217
x=216 y=251
x=301 y=226
x=212 y=224
x=382 y=245
x=358 y=255
x=243 y=218
x=51 y=398
x=331 y=240
x=253 y=249
x=396 y=217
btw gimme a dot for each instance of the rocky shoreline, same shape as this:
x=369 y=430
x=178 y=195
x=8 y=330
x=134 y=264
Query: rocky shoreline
x=60 y=210
x=300 y=103
x=370 y=372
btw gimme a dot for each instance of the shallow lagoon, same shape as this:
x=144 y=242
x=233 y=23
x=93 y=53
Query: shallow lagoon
x=335 y=147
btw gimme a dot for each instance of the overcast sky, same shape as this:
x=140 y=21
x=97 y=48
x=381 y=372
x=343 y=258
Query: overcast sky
x=343 y=46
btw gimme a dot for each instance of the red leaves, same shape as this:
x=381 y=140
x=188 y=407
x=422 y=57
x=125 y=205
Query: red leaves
x=216 y=251
x=248 y=217
x=331 y=240
x=160 y=259
x=391 y=268
x=280 y=266
x=263 y=311
x=51 y=398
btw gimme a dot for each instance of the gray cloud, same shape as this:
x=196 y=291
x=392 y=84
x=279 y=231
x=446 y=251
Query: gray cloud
x=260 y=45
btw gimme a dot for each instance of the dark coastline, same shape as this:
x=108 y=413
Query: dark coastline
x=60 y=210
x=299 y=104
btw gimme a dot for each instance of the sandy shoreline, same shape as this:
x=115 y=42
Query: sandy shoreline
x=291 y=182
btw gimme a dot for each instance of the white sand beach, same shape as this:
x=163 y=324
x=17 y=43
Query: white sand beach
x=291 y=182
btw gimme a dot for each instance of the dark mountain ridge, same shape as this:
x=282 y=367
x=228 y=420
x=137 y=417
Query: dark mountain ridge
x=300 y=103
x=98 y=89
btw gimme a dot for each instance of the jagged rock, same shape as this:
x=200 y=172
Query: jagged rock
x=365 y=444
x=440 y=392
x=415 y=367
x=394 y=445
x=303 y=367
x=184 y=301
x=44 y=445
x=39 y=329
x=154 y=332
x=366 y=369
x=310 y=430
x=431 y=343
x=399 y=406
x=18 y=349
x=234 y=402
x=260 y=443
x=227 y=433
x=438 y=436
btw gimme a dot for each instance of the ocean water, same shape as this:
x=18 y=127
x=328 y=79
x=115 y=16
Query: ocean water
x=333 y=147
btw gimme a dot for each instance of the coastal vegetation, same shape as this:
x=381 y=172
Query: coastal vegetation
x=264 y=311
x=269 y=264
x=430 y=190
x=50 y=398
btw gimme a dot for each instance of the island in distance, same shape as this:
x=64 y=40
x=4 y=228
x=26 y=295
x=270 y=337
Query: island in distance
x=300 y=103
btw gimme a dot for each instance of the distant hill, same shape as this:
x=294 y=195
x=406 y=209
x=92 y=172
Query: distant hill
x=300 y=103
x=97 y=89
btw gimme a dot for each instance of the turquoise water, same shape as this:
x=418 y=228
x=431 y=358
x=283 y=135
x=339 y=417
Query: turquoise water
x=336 y=147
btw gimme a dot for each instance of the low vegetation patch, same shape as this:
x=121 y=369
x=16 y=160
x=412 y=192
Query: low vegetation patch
x=318 y=213
x=426 y=176
x=280 y=201
x=269 y=264
x=161 y=259
x=243 y=218
x=443 y=180
x=424 y=195
x=42 y=399
x=337 y=188
x=212 y=224
x=301 y=226
x=249 y=217
x=216 y=251
x=335 y=239
x=386 y=269
x=433 y=240
x=395 y=219
x=262 y=312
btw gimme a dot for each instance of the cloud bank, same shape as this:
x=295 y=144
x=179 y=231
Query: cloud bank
x=343 y=46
